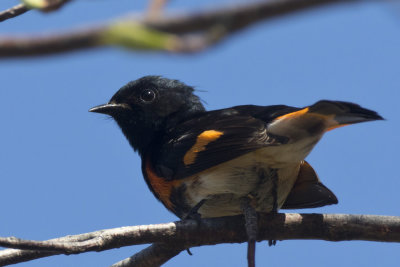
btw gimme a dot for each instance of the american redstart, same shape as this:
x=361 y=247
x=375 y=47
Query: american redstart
x=199 y=162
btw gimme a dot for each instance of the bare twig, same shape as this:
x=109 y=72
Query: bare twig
x=330 y=227
x=14 y=47
x=227 y=20
x=20 y=9
x=156 y=8
x=236 y=17
x=152 y=256
x=13 y=12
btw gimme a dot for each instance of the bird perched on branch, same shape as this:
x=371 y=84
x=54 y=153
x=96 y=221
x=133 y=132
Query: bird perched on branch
x=199 y=162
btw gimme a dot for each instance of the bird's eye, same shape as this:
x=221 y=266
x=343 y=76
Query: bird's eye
x=148 y=95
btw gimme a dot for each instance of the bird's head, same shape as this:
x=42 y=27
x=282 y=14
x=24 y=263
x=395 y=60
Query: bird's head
x=147 y=107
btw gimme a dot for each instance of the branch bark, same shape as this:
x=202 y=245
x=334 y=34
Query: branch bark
x=152 y=256
x=185 y=234
x=217 y=23
x=13 y=12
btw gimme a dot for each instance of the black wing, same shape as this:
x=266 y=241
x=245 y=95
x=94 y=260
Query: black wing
x=216 y=137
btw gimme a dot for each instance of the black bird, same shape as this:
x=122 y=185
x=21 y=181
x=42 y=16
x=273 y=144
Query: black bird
x=204 y=162
x=243 y=159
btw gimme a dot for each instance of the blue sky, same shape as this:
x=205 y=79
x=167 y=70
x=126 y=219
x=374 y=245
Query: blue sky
x=65 y=171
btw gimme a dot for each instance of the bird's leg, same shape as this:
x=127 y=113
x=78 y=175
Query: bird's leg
x=274 y=192
x=250 y=216
x=193 y=214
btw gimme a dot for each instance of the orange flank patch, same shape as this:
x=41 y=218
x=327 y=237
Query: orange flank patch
x=293 y=114
x=203 y=139
x=161 y=186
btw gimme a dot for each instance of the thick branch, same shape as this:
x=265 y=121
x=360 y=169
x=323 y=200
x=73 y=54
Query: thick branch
x=231 y=19
x=13 y=12
x=330 y=227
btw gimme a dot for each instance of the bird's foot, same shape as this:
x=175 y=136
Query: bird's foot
x=193 y=213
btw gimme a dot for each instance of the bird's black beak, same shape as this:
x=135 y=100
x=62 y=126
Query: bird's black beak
x=110 y=108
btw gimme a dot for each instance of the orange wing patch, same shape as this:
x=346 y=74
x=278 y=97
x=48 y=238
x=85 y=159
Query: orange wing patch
x=203 y=139
x=161 y=186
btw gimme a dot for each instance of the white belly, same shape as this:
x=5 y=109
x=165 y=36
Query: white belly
x=224 y=185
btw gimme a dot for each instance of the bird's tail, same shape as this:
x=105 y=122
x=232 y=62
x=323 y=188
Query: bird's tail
x=323 y=116
x=339 y=113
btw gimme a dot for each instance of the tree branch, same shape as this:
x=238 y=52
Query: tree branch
x=171 y=30
x=156 y=7
x=152 y=256
x=13 y=12
x=46 y=6
x=186 y=234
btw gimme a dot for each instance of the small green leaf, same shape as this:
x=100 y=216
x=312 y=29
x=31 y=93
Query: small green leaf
x=134 y=35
